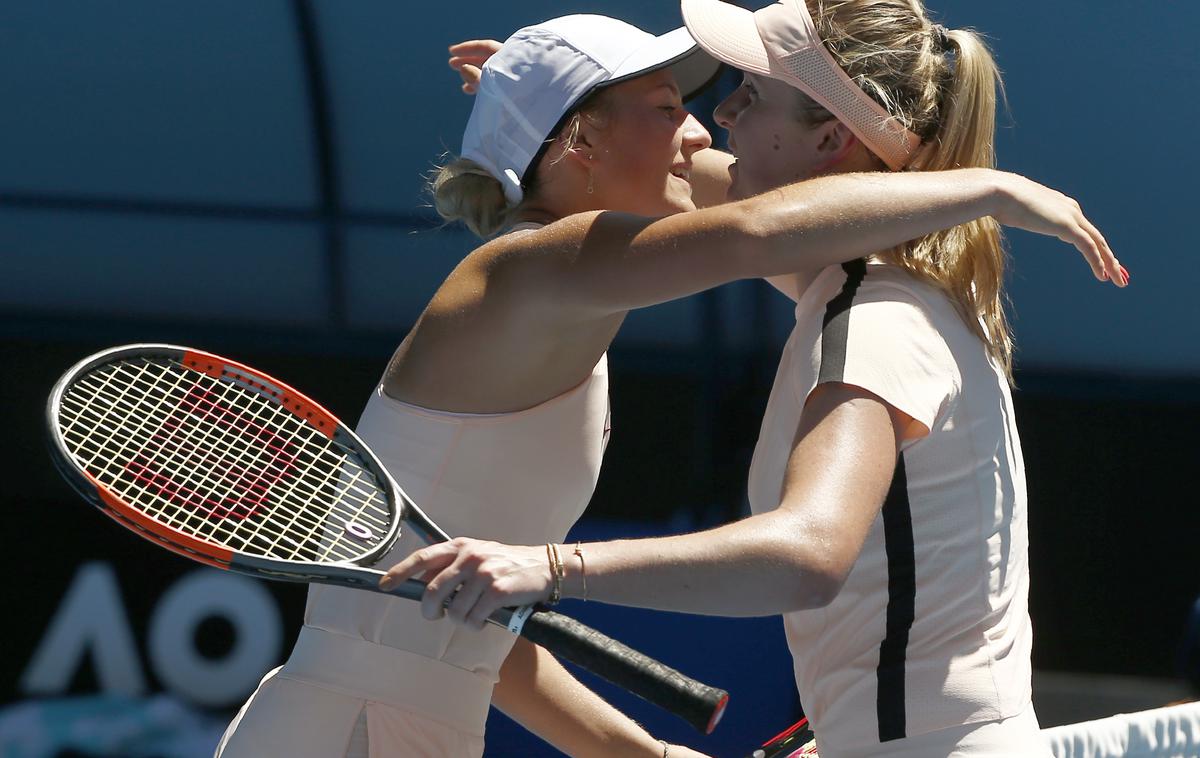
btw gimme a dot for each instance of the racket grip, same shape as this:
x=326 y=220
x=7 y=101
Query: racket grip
x=698 y=704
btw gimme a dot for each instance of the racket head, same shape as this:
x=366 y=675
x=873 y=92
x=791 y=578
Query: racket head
x=221 y=463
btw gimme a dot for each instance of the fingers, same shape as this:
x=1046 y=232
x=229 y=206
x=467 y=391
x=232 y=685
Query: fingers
x=1095 y=248
x=1076 y=235
x=468 y=57
x=1044 y=210
x=484 y=47
x=488 y=603
x=442 y=590
x=458 y=61
x=1084 y=235
x=427 y=561
x=453 y=584
x=462 y=603
x=473 y=51
x=470 y=76
x=1113 y=269
x=468 y=580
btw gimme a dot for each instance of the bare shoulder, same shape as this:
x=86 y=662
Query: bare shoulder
x=487 y=319
x=554 y=238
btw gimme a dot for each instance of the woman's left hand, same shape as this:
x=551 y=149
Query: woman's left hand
x=467 y=58
x=468 y=579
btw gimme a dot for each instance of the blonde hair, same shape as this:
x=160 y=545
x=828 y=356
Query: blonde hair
x=462 y=190
x=942 y=85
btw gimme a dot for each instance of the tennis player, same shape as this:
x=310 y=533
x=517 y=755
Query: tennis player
x=887 y=484
x=493 y=413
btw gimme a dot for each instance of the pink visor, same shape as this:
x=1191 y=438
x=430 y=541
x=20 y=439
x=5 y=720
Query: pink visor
x=781 y=41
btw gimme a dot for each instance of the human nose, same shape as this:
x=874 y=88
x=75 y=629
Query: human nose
x=727 y=110
x=695 y=136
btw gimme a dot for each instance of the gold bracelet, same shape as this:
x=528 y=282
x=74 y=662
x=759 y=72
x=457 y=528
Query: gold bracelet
x=582 y=569
x=556 y=573
x=666 y=748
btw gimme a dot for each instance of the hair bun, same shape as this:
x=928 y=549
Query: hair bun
x=464 y=191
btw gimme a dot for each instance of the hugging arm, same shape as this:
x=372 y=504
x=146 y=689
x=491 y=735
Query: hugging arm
x=796 y=556
x=599 y=263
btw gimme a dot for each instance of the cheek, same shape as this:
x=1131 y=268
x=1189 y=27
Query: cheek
x=771 y=158
x=646 y=151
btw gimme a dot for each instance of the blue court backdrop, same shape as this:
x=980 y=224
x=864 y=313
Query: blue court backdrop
x=245 y=176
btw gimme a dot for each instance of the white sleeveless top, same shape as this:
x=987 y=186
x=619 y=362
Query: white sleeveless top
x=523 y=477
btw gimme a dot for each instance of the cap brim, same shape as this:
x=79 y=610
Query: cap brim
x=728 y=33
x=694 y=69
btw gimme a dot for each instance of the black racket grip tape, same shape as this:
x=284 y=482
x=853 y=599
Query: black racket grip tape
x=698 y=704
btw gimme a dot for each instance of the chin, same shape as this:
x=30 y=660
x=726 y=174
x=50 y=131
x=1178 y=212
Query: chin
x=680 y=205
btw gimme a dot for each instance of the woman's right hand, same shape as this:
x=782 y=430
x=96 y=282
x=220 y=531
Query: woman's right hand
x=468 y=57
x=1027 y=205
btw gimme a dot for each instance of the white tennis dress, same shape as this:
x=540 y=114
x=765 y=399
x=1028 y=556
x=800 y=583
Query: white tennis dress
x=926 y=649
x=369 y=677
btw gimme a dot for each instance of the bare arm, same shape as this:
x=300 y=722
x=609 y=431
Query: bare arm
x=599 y=263
x=794 y=557
x=867 y=222
x=710 y=177
x=539 y=694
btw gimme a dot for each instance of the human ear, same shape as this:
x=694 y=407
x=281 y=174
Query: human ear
x=835 y=139
x=583 y=147
x=835 y=145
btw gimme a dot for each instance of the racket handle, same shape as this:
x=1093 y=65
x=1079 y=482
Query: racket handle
x=698 y=704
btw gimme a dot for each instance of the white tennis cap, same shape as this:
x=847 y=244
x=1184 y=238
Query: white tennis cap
x=781 y=41
x=542 y=72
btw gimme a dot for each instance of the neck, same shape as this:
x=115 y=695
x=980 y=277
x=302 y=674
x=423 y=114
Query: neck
x=537 y=215
x=561 y=191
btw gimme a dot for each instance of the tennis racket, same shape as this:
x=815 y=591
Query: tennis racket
x=796 y=741
x=236 y=470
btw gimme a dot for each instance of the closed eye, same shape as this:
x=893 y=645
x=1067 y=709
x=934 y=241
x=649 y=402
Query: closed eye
x=748 y=85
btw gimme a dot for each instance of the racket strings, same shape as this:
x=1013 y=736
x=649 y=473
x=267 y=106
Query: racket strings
x=113 y=432
x=222 y=463
x=190 y=464
x=172 y=454
x=208 y=533
x=172 y=491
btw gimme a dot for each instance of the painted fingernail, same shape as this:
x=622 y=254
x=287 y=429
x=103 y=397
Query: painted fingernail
x=1125 y=274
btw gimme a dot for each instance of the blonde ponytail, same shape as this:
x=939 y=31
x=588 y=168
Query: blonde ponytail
x=943 y=86
x=968 y=260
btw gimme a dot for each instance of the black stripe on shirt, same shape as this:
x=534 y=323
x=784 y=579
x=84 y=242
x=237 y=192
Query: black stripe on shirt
x=835 y=327
x=901 y=607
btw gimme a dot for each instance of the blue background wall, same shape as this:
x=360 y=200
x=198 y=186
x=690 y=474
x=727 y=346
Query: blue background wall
x=246 y=176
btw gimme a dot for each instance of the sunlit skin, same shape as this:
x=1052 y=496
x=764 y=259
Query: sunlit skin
x=637 y=158
x=608 y=264
x=774 y=147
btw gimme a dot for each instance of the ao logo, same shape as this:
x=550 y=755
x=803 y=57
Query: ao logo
x=92 y=619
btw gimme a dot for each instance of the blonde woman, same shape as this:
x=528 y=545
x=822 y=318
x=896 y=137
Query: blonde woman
x=887 y=485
